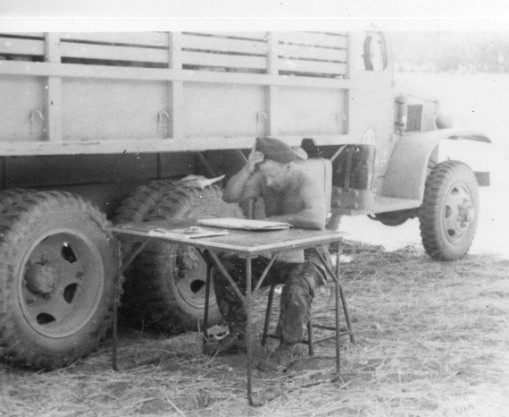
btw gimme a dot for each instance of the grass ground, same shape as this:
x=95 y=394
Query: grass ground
x=432 y=340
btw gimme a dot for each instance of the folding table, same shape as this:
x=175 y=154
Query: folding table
x=248 y=245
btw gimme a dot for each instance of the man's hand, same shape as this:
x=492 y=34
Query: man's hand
x=254 y=158
x=245 y=183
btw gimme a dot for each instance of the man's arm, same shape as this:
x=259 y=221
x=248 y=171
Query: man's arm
x=245 y=183
x=314 y=212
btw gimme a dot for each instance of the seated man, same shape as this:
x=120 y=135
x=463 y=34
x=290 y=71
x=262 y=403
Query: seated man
x=292 y=196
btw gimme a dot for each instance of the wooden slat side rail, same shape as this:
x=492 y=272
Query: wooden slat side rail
x=336 y=40
x=22 y=46
x=44 y=69
x=114 y=53
x=203 y=59
x=147 y=39
x=238 y=35
x=312 y=53
x=38 y=35
x=310 y=68
x=225 y=45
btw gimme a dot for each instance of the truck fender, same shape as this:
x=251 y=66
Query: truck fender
x=408 y=166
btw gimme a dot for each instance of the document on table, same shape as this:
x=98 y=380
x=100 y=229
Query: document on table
x=192 y=232
x=243 y=224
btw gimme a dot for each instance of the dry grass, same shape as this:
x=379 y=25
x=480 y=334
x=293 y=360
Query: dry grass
x=432 y=340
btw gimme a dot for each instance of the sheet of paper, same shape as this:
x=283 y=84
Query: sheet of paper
x=243 y=224
x=192 y=232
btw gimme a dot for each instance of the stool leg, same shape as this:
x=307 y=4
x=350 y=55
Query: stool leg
x=347 y=315
x=267 y=314
x=310 y=338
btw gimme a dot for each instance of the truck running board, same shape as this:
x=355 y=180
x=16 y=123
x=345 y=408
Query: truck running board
x=382 y=204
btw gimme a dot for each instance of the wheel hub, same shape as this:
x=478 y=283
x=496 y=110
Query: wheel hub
x=61 y=284
x=189 y=258
x=41 y=278
x=465 y=213
x=459 y=213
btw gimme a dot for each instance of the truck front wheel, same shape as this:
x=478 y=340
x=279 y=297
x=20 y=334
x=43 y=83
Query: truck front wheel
x=56 y=290
x=449 y=213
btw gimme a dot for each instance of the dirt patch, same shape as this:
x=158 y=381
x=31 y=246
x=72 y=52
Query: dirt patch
x=431 y=340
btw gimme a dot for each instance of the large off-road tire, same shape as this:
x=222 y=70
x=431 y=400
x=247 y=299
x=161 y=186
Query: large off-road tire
x=135 y=208
x=450 y=210
x=11 y=196
x=172 y=290
x=57 y=264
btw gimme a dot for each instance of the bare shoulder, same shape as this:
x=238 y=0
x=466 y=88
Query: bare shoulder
x=305 y=179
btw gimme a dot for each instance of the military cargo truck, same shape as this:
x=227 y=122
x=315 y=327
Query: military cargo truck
x=116 y=127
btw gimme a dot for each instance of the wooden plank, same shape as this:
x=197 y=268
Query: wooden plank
x=175 y=50
x=241 y=35
x=310 y=52
x=177 y=109
x=221 y=60
x=54 y=91
x=51 y=50
x=273 y=91
x=351 y=58
x=44 y=69
x=21 y=46
x=312 y=67
x=22 y=118
x=155 y=145
x=222 y=110
x=224 y=44
x=154 y=39
x=177 y=87
x=115 y=53
x=99 y=109
x=39 y=35
x=314 y=38
x=310 y=111
x=273 y=54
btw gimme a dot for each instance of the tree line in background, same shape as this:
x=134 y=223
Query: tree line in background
x=450 y=51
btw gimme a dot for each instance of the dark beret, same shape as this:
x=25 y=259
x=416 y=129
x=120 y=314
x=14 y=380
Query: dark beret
x=276 y=150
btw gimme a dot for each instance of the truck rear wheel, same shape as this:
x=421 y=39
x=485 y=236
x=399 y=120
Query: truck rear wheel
x=135 y=208
x=173 y=289
x=56 y=264
x=449 y=213
x=11 y=196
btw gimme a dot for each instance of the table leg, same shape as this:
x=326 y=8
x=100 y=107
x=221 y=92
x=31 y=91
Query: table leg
x=337 y=293
x=248 y=330
x=114 y=324
x=116 y=283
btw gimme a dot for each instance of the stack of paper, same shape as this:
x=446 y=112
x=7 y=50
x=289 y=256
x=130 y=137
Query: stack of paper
x=243 y=224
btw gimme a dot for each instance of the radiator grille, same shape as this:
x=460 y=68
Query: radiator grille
x=414 y=118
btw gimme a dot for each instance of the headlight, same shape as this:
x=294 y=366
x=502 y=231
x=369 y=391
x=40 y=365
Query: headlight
x=445 y=121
